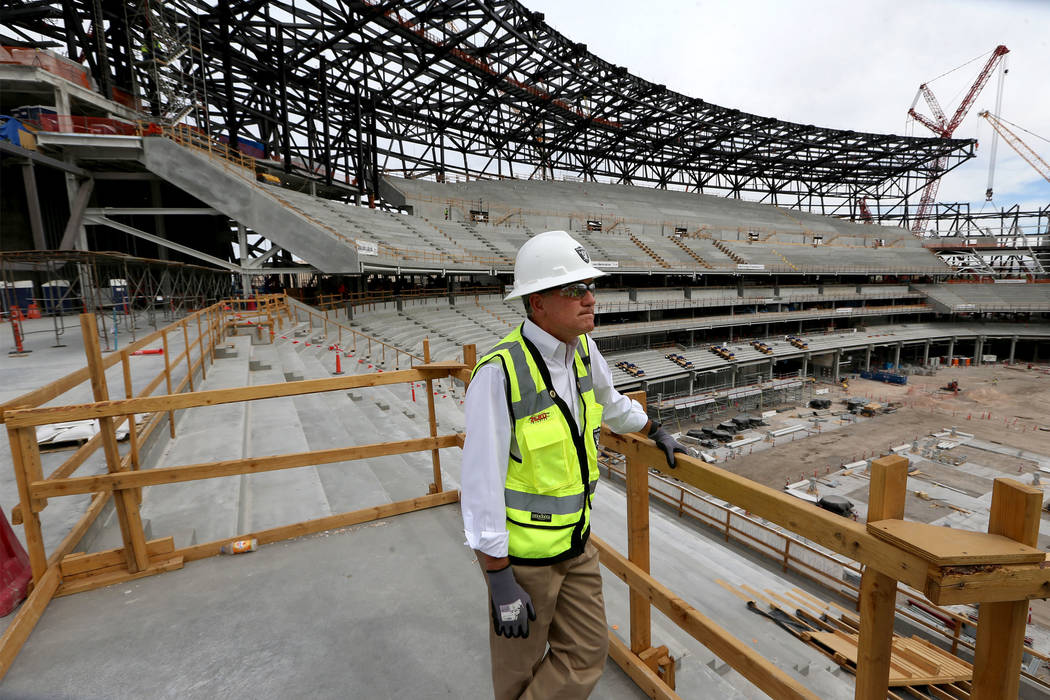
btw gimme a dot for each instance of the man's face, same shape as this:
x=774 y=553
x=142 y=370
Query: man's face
x=562 y=316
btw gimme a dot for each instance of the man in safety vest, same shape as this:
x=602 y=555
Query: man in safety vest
x=534 y=411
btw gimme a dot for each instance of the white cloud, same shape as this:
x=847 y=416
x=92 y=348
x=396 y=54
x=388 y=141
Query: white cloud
x=854 y=65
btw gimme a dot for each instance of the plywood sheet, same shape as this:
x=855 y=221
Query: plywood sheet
x=949 y=547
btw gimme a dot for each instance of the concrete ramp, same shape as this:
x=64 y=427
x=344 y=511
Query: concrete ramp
x=232 y=191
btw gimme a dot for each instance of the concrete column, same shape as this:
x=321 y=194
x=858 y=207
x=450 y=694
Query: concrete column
x=692 y=382
x=732 y=376
x=820 y=287
x=897 y=356
x=688 y=291
x=805 y=365
x=776 y=287
x=36 y=220
x=771 y=363
x=926 y=352
x=836 y=361
x=632 y=294
x=951 y=351
x=867 y=358
x=978 y=350
x=740 y=286
x=1013 y=346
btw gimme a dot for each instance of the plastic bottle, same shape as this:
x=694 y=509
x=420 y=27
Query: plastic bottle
x=240 y=546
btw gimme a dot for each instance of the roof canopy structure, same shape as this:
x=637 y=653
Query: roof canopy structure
x=480 y=88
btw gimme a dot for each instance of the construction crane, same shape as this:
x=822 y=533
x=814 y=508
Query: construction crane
x=944 y=127
x=1015 y=142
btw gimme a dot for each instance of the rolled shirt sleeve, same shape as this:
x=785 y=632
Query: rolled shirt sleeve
x=623 y=415
x=485 y=454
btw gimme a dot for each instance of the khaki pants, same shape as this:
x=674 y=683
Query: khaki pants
x=570 y=618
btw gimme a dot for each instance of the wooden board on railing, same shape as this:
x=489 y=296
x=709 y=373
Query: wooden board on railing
x=955 y=547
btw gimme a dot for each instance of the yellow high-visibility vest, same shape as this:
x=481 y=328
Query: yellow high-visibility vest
x=552 y=467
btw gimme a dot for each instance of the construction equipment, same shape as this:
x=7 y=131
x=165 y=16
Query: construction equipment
x=798 y=342
x=1014 y=141
x=724 y=352
x=944 y=127
x=953 y=385
x=870 y=410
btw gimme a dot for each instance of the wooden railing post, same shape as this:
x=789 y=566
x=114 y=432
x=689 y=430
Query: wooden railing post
x=200 y=347
x=435 y=486
x=167 y=378
x=126 y=503
x=133 y=437
x=1015 y=513
x=638 y=542
x=878 y=592
x=189 y=363
x=25 y=457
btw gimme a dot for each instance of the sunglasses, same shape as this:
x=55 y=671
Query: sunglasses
x=577 y=290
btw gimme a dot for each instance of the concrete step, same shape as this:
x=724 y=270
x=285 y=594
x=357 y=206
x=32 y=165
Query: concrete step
x=205 y=510
x=271 y=499
x=365 y=422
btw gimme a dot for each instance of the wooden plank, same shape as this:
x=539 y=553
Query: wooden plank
x=331 y=522
x=79 y=564
x=902 y=671
x=435 y=457
x=644 y=677
x=215 y=397
x=742 y=658
x=733 y=589
x=878 y=592
x=838 y=534
x=1015 y=513
x=22 y=442
x=954 y=547
x=637 y=484
x=20 y=626
x=167 y=381
x=250 y=465
x=108 y=578
x=126 y=504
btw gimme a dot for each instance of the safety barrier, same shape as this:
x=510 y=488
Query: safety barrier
x=1002 y=588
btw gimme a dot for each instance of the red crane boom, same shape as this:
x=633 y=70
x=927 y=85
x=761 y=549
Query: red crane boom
x=944 y=127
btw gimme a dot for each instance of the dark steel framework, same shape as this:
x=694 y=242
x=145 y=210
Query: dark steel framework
x=350 y=89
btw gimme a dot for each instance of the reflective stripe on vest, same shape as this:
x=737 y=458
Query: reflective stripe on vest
x=548 y=479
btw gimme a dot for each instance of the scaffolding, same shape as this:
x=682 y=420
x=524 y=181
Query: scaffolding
x=123 y=291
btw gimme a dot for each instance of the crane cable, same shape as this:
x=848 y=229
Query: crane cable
x=978 y=58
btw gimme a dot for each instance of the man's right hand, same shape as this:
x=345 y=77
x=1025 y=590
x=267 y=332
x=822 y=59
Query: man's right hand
x=511 y=605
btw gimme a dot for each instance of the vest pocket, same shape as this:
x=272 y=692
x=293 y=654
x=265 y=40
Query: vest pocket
x=548 y=451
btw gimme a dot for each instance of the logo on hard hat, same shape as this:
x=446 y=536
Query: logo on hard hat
x=583 y=255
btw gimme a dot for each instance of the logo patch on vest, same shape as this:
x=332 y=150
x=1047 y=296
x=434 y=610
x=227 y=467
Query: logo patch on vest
x=583 y=255
x=539 y=417
x=541 y=517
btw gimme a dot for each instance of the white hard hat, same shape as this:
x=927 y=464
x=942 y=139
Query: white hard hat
x=548 y=260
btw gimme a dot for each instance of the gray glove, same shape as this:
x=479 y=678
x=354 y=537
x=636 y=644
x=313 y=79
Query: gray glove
x=665 y=442
x=510 y=604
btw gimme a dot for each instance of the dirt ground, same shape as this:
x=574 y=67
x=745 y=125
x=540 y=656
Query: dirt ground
x=1001 y=405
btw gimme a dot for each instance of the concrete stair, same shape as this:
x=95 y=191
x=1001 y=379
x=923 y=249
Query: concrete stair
x=649 y=251
x=692 y=253
x=729 y=252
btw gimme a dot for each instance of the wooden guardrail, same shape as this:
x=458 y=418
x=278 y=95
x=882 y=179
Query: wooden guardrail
x=1003 y=587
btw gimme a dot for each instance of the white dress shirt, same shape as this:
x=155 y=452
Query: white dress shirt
x=487 y=446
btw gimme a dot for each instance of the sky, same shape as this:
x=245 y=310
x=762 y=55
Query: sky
x=847 y=65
